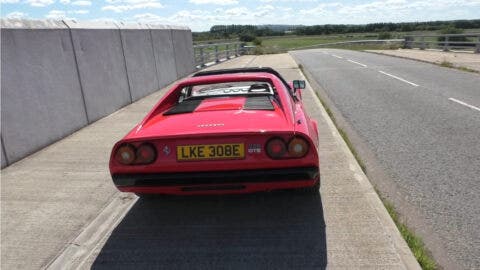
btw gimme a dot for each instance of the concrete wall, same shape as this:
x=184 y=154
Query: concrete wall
x=41 y=95
x=140 y=60
x=4 y=161
x=183 y=52
x=163 y=51
x=59 y=76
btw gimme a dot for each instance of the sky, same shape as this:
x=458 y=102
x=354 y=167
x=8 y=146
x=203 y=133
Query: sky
x=200 y=15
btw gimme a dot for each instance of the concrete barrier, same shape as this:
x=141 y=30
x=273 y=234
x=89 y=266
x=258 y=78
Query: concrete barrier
x=164 y=54
x=184 y=58
x=102 y=68
x=140 y=60
x=4 y=161
x=59 y=76
x=41 y=95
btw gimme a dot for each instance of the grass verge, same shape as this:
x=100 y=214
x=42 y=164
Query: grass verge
x=414 y=242
x=451 y=65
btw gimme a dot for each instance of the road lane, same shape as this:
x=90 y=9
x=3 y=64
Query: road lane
x=427 y=144
x=442 y=81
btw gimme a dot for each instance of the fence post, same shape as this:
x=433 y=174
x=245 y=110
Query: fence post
x=202 y=57
x=236 y=50
x=227 y=52
x=216 y=54
x=422 y=44
x=407 y=42
x=477 y=46
x=445 y=44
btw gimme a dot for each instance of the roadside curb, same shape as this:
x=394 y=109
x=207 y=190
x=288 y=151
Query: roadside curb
x=401 y=247
x=93 y=235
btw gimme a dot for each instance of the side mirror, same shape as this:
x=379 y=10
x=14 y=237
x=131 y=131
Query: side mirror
x=298 y=84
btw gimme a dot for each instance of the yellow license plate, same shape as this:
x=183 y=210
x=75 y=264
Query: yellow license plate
x=210 y=151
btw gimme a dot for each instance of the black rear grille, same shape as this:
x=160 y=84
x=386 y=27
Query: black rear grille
x=217 y=177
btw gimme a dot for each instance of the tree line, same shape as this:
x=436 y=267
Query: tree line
x=250 y=32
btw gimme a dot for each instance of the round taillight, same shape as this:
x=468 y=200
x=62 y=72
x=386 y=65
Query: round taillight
x=297 y=147
x=125 y=154
x=276 y=148
x=146 y=154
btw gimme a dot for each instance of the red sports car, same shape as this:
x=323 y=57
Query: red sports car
x=223 y=131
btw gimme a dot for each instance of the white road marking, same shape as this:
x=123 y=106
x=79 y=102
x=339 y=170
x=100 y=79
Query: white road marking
x=363 y=65
x=464 y=104
x=334 y=55
x=398 y=78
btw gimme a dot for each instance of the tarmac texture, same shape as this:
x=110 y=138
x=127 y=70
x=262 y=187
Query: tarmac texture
x=420 y=126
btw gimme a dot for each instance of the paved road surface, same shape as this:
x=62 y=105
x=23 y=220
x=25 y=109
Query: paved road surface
x=422 y=124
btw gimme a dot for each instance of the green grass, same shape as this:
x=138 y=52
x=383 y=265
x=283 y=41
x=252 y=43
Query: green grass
x=447 y=64
x=414 y=242
x=352 y=149
x=272 y=45
x=451 y=65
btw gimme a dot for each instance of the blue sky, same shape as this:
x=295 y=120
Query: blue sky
x=200 y=15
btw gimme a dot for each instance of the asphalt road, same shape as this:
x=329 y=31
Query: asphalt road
x=422 y=124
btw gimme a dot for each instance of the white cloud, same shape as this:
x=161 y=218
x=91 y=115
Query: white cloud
x=287 y=1
x=126 y=5
x=16 y=15
x=384 y=11
x=81 y=11
x=147 y=17
x=65 y=2
x=9 y=1
x=82 y=3
x=214 y=2
x=201 y=20
x=57 y=15
x=40 y=3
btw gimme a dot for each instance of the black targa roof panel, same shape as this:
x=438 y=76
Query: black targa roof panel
x=243 y=70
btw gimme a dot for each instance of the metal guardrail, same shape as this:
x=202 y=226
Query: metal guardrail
x=444 y=42
x=365 y=41
x=215 y=53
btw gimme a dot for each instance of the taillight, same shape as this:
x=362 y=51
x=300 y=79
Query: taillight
x=276 y=148
x=146 y=154
x=297 y=147
x=127 y=154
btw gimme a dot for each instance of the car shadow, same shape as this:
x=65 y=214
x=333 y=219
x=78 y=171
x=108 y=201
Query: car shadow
x=278 y=230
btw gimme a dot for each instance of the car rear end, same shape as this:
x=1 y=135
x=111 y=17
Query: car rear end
x=215 y=164
x=220 y=136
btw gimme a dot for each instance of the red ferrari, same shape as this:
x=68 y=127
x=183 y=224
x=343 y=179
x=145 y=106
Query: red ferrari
x=223 y=131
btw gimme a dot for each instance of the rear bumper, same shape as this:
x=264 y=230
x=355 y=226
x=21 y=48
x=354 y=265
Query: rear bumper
x=217 y=182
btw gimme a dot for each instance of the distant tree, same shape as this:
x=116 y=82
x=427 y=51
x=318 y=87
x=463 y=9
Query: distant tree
x=384 y=35
x=246 y=37
x=257 y=42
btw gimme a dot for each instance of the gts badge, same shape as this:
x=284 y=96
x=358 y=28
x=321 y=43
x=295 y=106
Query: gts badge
x=254 y=148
